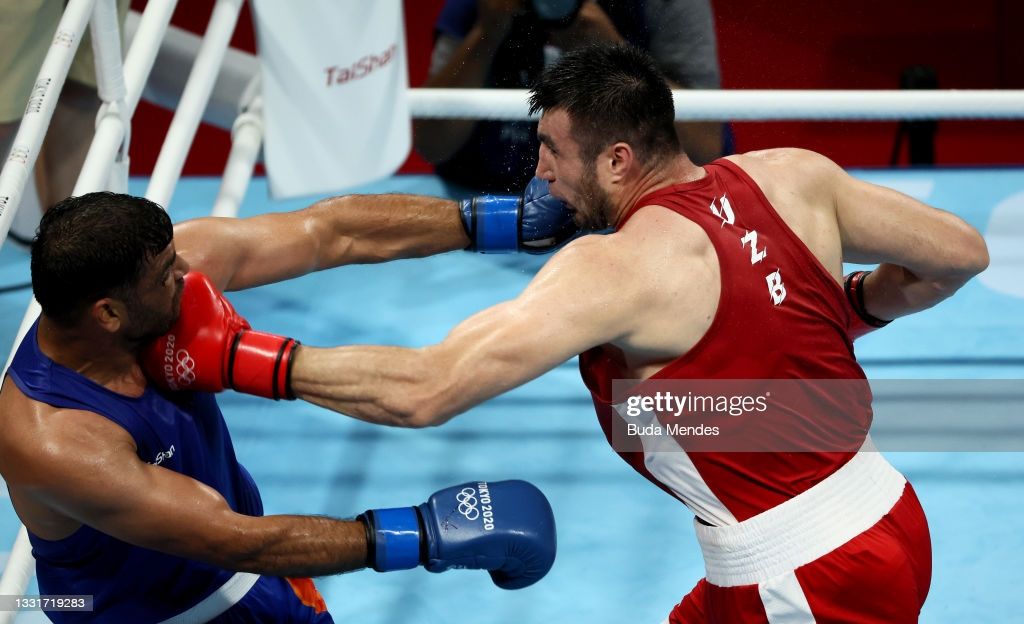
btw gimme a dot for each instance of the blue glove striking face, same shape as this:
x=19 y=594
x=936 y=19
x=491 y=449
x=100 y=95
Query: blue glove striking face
x=505 y=527
x=537 y=222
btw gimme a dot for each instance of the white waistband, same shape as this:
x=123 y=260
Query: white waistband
x=225 y=597
x=804 y=528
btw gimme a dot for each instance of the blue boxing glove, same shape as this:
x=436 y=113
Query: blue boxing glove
x=537 y=222
x=504 y=527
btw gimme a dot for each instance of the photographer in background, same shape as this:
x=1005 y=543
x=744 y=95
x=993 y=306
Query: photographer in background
x=504 y=44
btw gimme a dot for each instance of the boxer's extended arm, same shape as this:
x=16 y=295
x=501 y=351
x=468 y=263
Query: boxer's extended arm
x=567 y=308
x=351 y=229
x=359 y=229
x=86 y=468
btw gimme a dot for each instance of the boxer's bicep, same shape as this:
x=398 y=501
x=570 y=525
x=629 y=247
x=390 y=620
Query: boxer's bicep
x=568 y=308
x=90 y=471
x=879 y=224
x=243 y=253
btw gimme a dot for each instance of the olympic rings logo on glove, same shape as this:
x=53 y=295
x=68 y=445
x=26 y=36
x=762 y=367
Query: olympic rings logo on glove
x=467 y=503
x=185 y=368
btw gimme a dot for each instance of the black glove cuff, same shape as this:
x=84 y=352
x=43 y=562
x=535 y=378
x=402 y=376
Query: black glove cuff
x=371 y=541
x=289 y=394
x=854 y=288
x=424 y=546
x=467 y=217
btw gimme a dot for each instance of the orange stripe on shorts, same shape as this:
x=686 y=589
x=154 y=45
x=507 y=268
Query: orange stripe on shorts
x=308 y=593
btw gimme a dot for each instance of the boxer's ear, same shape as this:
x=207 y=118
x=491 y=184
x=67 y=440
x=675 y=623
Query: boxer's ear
x=109 y=313
x=617 y=160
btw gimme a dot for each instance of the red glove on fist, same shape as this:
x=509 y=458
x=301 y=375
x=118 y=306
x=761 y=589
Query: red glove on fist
x=861 y=322
x=210 y=348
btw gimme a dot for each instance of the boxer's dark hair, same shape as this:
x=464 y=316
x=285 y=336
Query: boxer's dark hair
x=611 y=93
x=93 y=246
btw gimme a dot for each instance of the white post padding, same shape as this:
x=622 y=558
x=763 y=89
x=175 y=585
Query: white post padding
x=106 y=42
x=178 y=52
x=110 y=85
x=112 y=128
x=246 y=140
x=149 y=30
x=190 y=109
x=42 y=101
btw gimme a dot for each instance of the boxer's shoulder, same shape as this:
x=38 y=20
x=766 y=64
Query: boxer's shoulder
x=594 y=253
x=787 y=169
x=656 y=231
x=795 y=181
x=778 y=157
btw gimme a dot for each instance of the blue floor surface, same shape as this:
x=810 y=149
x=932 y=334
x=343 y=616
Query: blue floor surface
x=626 y=550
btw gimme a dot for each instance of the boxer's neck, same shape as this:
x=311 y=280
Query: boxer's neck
x=97 y=355
x=679 y=170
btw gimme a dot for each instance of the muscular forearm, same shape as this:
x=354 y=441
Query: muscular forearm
x=892 y=291
x=384 y=385
x=359 y=229
x=428 y=386
x=923 y=280
x=295 y=546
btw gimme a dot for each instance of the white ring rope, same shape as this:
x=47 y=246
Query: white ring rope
x=750 y=105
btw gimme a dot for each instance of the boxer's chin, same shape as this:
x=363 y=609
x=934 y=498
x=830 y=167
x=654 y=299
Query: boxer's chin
x=148 y=325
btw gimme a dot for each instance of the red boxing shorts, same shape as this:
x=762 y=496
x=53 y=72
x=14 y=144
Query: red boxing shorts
x=853 y=548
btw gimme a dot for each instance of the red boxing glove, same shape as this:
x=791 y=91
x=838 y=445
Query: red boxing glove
x=210 y=348
x=861 y=322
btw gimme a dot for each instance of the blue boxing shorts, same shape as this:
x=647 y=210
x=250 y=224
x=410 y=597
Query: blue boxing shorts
x=279 y=600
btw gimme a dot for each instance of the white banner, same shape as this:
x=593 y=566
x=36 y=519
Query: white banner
x=335 y=89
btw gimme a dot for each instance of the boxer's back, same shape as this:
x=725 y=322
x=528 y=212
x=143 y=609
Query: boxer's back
x=733 y=292
x=683 y=273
